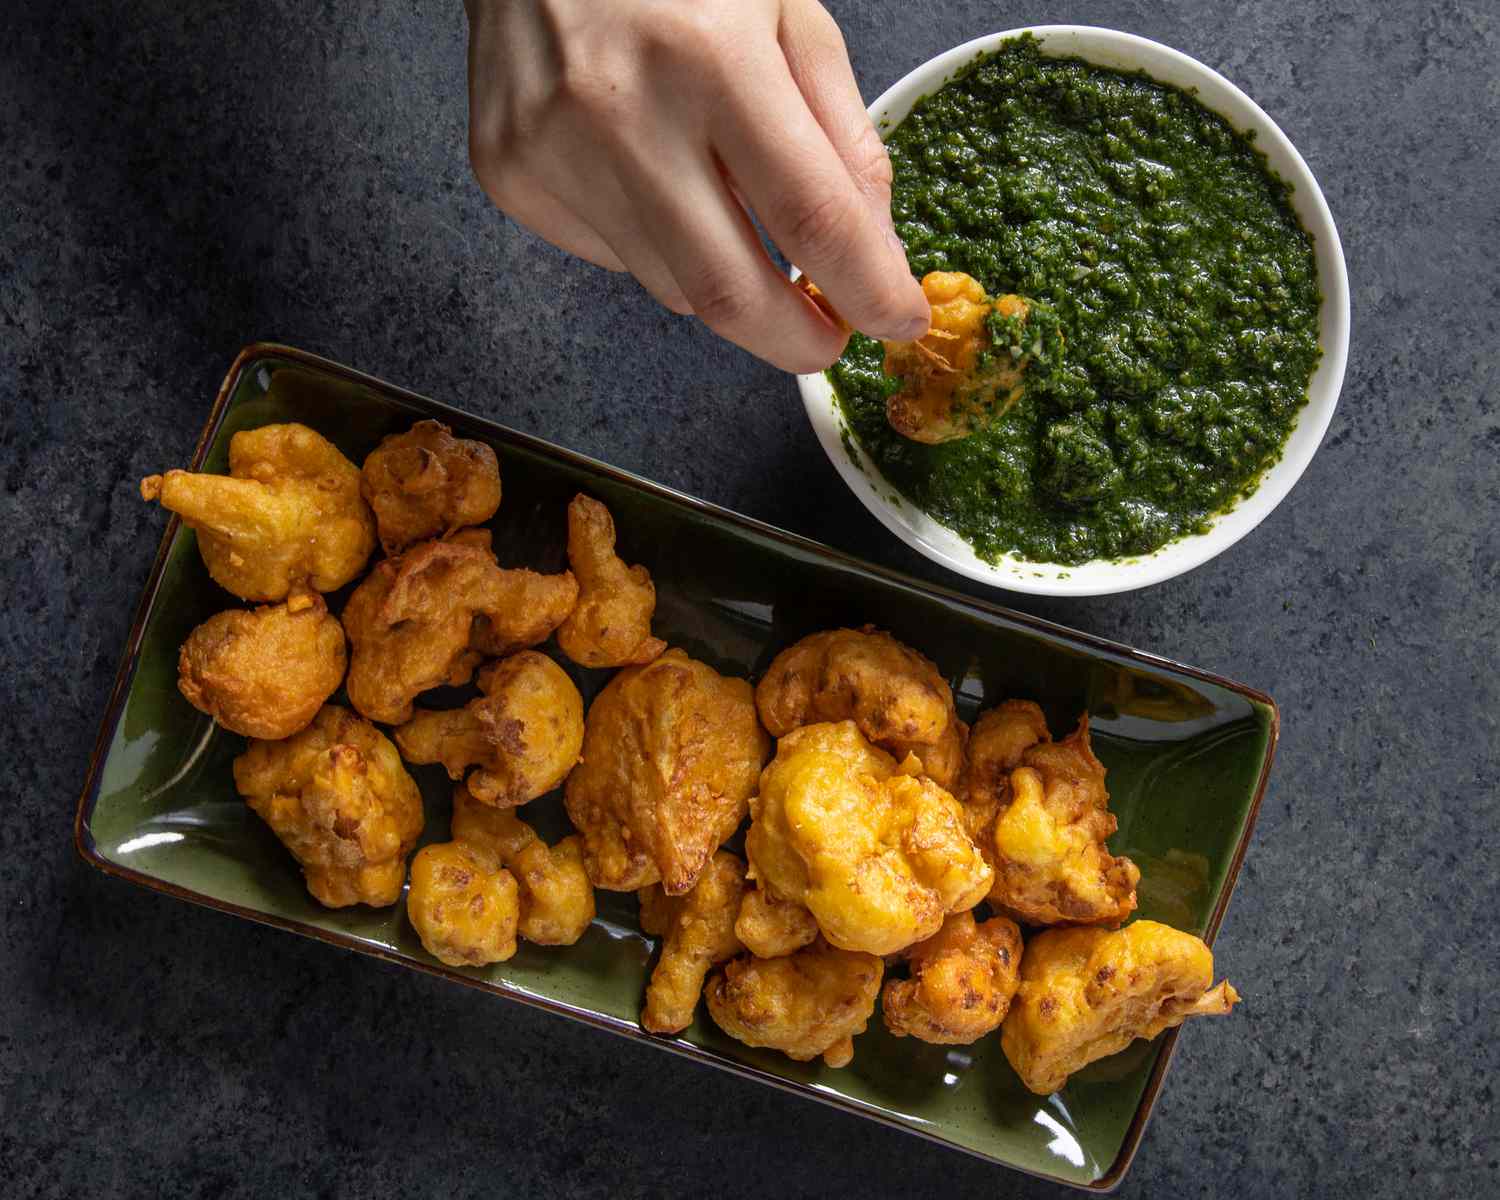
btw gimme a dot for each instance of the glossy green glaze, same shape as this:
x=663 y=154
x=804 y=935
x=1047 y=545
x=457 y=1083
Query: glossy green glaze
x=1187 y=756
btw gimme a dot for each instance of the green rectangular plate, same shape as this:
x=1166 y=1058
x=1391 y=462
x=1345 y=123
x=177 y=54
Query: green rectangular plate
x=1188 y=755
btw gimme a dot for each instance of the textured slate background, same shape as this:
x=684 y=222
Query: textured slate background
x=179 y=180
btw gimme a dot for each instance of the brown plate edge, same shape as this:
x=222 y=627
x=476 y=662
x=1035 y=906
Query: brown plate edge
x=84 y=842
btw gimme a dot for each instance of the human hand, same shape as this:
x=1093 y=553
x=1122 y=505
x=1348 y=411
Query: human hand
x=636 y=134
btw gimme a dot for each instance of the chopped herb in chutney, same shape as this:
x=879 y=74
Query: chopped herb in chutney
x=1175 y=316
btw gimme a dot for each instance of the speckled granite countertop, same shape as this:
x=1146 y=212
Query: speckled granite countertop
x=178 y=182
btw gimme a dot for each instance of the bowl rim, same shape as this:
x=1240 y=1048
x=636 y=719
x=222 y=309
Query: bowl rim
x=1106 y=576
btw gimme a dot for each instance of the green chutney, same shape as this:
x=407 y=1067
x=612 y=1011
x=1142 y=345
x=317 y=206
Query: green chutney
x=1167 y=252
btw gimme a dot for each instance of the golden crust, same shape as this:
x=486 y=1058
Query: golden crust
x=611 y=624
x=1088 y=993
x=771 y=927
x=425 y=482
x=962 y=980
x=522 y=736
x=463 y=904
x=288 y=515
x=808 y=1004
x=556 y=898
x=879 y=857
x=338 y=797
x=671 y=753
x=264 y=674
x=697 y=931
x=895 y=695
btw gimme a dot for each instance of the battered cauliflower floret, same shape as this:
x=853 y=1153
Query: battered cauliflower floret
x=962 y=980
x=771 y=927
x=697 y=931
x=1088 y=993
x=611 y=625
x=522 y=736
x=288 y=514
x=1048 y=839
x=264 y=673
x=955 y=378
x=338 y=797
x=463 y=904
x=525 y=608
x=878 y=856
x=557 y=899
x=807 y=1004
x=671 y=753
x=425 y=482
x=895 y=695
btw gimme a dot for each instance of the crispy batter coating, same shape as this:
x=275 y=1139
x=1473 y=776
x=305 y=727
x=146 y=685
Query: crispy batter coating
x=611 y=625
x=337 y=795
x=525 y=606
x=557 y=899
x=878 y=856
x=264 y=673
x=962 y=980
x=951 y=379
x=697 y=932
x=288 y=514
x=1047 y=839
x=522 y=736
x=671 y=753
x=999 y=739
x=771 y=927
x=1088 y=993
x=425 y=482
x=463 y=904
x=895 y=695
x=810 y=1003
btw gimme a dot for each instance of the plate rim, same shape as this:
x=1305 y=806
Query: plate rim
x=88 y=850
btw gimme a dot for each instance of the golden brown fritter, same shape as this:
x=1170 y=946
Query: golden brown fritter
x=522 y=736
x=962 y=980
x=611 y=625
x=878 y=856
x=811 y=1003
x=425 y=482
x=999 y=739
x=697 y=932
x=1047 y=840
x=671 y=753
x=525 y=606
x=557 y=899
x=953 y=379
x=1088 y=993
x=337 y=795
x=264 y=673
x=895 y=695
x=463 y=904
x=288 y=514
x=771 y=927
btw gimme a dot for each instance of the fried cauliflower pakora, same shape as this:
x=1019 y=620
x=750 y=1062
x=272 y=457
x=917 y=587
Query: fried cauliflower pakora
x=463 y=904
x=770 y=927
x=955 y=377
x=288 y=514
x=611 y=625
x=962 y=981
x=425 y=482
x=671 y=753
x=878 y=856
x=557 y=899
x=338 y=797
x=1047 y=839
x=807 y=1004
x=1088 y=993
x=525 y=606
x=697 y=932
x=264 y=674
x=895 y=695
x=522 y=736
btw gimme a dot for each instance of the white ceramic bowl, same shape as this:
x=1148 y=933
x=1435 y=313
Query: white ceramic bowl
x=1121 y=51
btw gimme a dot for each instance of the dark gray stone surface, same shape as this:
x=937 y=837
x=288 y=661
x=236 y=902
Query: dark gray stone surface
x=180 y=179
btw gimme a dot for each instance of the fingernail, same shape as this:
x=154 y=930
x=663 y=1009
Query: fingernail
x=915 y=328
